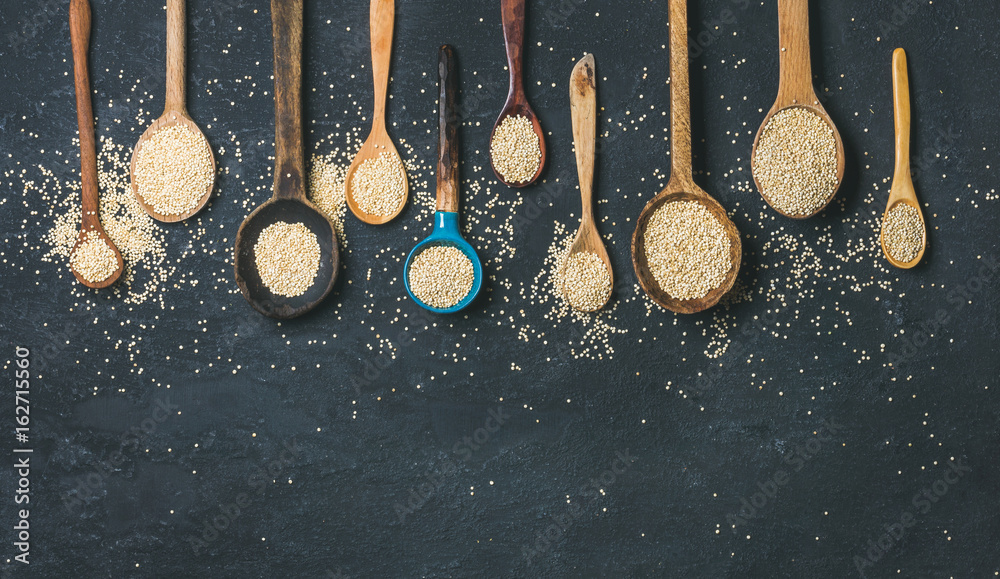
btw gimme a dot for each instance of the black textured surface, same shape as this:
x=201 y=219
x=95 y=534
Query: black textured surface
x=355 y=449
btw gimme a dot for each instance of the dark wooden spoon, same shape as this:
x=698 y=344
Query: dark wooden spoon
x=681 y=186
x=289 y=202
x=90 y=225
x=517 y=100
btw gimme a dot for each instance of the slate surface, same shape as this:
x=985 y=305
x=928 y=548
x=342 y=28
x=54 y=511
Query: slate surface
x=347 y=452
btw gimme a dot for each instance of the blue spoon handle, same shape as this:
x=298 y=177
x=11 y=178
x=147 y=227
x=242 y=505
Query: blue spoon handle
x=447 y=167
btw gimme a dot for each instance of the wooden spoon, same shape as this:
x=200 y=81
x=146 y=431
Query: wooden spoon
x=175 y=110
x=902 y=182
x=681 y=186
x=289 y=202
x=583 y=106
x=90 y=224
x=517 y=100
x=795 y=88
x=381 y=17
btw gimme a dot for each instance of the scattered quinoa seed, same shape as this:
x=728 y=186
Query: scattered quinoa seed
x=687 y=249
x=173 y=169
x=379 y=185
x=586 y=281
x=515 y=149
x=796 y=162
x=441 y=276
x=287 y=257
x=94 y=259
x=903 y=233
x=326 y=190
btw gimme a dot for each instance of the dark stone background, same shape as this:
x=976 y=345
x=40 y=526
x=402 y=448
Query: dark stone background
x=694 y=455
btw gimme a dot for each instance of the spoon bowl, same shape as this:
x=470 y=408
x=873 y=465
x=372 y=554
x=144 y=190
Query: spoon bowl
x=446 y=233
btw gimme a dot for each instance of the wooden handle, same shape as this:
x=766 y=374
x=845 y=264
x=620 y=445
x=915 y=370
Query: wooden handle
x=680 y=95
x=381 y=18
x=583 y=107
x=79 y=30
x=289 y=156
x=447 y=166
x=176 y=53
x=513 y=37
x=793 y=38
x=901 y=107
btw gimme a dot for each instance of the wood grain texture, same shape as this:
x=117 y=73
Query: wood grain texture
x=90 y=201
x=681 y=186
x=902 y=190
x=176 y=56
x=795 y=88
x=448 y=146
x=289 y=154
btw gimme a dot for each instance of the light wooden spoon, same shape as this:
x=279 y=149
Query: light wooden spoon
x=90 y=225
x=381 y=18
x=583 y=105
x=681 y=186
x=902 y=182
x=795 y=88
x=174 y=111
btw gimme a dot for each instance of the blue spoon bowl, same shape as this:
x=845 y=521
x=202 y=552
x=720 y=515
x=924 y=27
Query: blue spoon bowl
x=446 y=233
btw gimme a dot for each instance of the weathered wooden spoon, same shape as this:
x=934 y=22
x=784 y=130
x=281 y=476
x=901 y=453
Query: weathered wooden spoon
x=381 y=19
x=681 y=186
x=175 y=109
x=795 y=88
x=517 y=100
x=902 y=182
x=583 y=106
x=90 y=225
x=289 y=202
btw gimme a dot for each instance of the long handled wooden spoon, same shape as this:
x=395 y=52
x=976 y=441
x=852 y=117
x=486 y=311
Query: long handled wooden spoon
x=517 y=100
x=796 y=88
x=289 y=203
x=902 y=182
x=90 y=225
x=681 y=186
x=583 y=106
x=382 y=16
x=174 y=112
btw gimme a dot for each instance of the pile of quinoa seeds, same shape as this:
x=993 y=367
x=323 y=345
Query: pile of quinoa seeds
x=441 y=276
x=287 y=257
x=903 y=233
x=515 y=149
x=94 y=259
x=796 y=161
x=687 y=249
x=586 y=281
x=379 y=185
x=173 y=169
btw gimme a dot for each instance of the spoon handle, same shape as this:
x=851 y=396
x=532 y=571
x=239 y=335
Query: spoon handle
x=901 y=107
x=796 y=66
x=447 y=166
x=382 y=15
x=79 y=29
x=513 y=37
x=176 y=41
x=680 y=95
x=583 y=108
x=289 y=157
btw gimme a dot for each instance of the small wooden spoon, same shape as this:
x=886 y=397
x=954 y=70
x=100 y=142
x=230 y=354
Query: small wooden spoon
x=289 y=202
x=175 y=110
x=681 y=186
x=902 y=182
x=795 y=88
x=583 y=106
x=90 y=224
x=381 y=18
x=517 y=100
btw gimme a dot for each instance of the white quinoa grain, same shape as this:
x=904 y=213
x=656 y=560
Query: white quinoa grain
x=94 y=259
x=287 y=257
x=379 y=185
x=586 y=281
x=687 y=249
x=515 y=150
x=173 y=169
x=903 y=232
x=441 y=276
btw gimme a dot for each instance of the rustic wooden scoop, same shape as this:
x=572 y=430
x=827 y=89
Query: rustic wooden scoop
x=902 y=181
x=583 y=106
x=795 y=88
x=90 y=225
x=381 y=19
x=289 y=202
x=175 y=110
x=681 y=186
x=517 y=101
